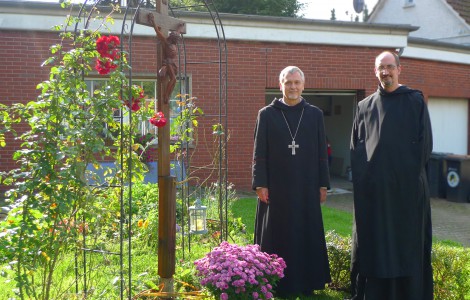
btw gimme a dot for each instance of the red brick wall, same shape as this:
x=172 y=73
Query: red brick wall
x=252 y=67
x=21 y=56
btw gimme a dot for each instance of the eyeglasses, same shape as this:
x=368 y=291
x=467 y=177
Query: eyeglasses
x=387 y=67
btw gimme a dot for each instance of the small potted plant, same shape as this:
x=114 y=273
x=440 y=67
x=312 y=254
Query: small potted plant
x=237 y=272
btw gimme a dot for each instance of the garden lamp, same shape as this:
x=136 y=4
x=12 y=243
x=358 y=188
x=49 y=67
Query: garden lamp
x=197 y=218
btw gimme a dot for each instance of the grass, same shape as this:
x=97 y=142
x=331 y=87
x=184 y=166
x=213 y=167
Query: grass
x=337 y=220
x=333 y=219
x=245 y=208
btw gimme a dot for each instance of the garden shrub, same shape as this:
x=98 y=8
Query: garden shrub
x=145 y=213
x=451 y=272
x=451 y=267
x=339 y=255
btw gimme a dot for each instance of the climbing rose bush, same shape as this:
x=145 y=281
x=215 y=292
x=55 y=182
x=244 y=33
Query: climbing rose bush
x=237 y=272
x=137 y=98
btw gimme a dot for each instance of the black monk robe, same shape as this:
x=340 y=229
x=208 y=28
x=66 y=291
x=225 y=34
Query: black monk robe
x=390 y=145
x=291 y=224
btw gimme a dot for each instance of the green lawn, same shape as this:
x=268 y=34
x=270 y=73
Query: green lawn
x=337 y=220
x=333 y=219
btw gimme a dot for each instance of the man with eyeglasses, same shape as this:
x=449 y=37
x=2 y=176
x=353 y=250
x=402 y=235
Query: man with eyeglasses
x=391 y=143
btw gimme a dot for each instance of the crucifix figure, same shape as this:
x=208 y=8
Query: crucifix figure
x=169 y=69
x=293 y=145
x=162 y=23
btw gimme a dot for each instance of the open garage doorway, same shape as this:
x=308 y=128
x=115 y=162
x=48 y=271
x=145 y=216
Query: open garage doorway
x=338 y=109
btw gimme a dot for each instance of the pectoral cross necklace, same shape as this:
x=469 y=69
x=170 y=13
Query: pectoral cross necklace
x=293 y=145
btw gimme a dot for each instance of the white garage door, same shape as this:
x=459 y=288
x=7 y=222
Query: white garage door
x=449 y=119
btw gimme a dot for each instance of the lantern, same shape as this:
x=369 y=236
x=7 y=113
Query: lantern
x=197 y=218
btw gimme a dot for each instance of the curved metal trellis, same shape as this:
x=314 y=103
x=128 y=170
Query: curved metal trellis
x=129 y=16
x=221 y=63
x=86 y=13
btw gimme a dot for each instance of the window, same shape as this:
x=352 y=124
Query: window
x=150 y=92
x=97 y=84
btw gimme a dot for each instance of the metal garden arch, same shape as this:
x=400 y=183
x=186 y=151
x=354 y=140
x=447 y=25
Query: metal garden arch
x=130 y=15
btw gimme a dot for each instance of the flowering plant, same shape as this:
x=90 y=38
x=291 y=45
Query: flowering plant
x=136 y=98
x=158 y=119
x=107 y=47
x=233 y=272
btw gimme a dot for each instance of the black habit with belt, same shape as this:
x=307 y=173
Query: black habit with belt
x=390 y=146
x=291 y=225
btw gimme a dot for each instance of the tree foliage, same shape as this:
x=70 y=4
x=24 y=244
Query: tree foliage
x=333 y=15
x=365 y=14
x=280 y=8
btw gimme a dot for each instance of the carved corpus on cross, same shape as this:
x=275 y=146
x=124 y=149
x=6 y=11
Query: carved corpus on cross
x=167 y=56
x=167 y=74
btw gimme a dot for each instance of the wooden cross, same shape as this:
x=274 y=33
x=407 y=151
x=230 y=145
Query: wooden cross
x=161 y=16
x=167 y=74
x=292 y=146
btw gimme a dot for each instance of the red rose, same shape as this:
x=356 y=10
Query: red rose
x=104 y=65
x=158 y=119
x=137 y=96
x=107 y=46
x=113 y=44
x=102 y=45
x=135 y=105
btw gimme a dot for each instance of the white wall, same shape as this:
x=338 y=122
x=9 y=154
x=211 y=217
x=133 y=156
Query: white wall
x=435 y=18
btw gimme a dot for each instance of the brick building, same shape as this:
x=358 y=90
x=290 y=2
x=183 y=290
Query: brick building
x=337 y=58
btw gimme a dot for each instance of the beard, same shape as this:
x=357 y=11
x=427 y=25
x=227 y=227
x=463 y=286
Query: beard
x=293 y=96
x=386 y=81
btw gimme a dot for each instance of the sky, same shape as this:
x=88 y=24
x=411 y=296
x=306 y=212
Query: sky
x=321 y=9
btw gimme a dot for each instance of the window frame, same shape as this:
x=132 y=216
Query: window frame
x=150 y=91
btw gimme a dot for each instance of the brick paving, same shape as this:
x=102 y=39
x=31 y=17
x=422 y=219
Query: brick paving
x=451 y=220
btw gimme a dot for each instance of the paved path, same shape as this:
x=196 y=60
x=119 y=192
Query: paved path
x=451 y=220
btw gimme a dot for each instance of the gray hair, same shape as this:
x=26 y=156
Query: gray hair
x=290 y=70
